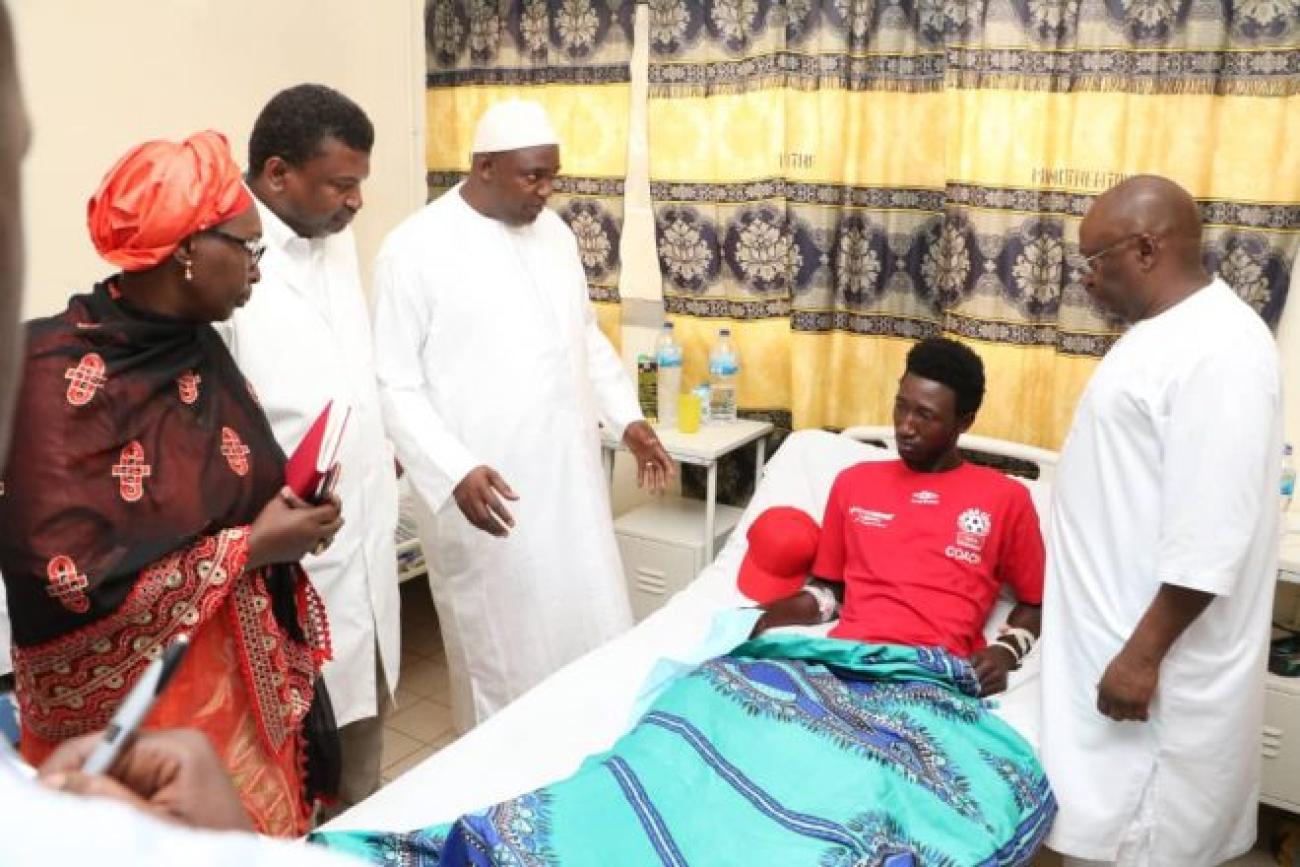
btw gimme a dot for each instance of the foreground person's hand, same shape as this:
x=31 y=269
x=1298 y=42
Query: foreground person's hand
x=174 y=774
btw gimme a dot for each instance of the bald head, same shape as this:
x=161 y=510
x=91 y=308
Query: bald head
x=1142 y=242
x=1149 y=204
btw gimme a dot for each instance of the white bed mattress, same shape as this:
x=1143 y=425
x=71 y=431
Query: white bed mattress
x=586 y=706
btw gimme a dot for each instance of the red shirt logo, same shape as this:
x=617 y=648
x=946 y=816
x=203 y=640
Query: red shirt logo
x=973 y=528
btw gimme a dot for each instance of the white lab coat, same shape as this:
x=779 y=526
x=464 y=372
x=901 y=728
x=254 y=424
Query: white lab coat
x=488 y=352
x=1169 y=475
x=303 y=340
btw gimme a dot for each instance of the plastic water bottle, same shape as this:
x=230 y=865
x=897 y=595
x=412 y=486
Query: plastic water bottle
x=724 y=366
x=706 y=401
x=668 y=353
x=1288 y=477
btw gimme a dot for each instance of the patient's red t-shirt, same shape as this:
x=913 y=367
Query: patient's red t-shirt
x=923 y=555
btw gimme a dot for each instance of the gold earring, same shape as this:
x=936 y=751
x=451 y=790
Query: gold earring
x=189 y=273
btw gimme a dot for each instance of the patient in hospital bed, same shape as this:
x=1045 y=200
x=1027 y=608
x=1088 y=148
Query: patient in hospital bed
x=869 y=747
x=915 y=551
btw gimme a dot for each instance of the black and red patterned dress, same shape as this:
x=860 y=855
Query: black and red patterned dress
x=140 y=459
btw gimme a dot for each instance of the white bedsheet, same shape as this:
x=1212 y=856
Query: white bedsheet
x=585 y=707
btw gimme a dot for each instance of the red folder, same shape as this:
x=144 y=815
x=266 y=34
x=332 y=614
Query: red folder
x=313 y=467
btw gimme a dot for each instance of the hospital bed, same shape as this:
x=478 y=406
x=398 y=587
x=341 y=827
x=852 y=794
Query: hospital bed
x=583 y=708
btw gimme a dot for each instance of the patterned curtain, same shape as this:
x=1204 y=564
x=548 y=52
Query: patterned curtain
x=574 y=57
x=838 y=178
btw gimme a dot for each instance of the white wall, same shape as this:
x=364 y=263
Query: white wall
x=102 y=75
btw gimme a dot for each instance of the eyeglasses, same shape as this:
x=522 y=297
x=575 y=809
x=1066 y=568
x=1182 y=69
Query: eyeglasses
x=254 y=247
x=1089 y=262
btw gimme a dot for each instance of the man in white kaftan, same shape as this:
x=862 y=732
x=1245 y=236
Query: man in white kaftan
x=303 y=340
x=1161 y=554
x=493 y=376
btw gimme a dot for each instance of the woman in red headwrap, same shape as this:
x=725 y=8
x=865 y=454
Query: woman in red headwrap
x=144 y=497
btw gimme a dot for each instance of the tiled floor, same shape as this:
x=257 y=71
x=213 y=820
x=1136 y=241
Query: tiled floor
x=1259 y=857
x=420 y=725
x=1256 y=858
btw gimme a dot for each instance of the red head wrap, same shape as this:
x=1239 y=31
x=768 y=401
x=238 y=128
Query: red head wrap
x=159 y=194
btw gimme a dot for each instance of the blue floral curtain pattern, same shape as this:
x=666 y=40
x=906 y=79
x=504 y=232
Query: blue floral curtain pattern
x=842 y=177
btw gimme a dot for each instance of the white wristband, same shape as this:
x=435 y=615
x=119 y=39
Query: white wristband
x=1019 y=641
x=826 y=602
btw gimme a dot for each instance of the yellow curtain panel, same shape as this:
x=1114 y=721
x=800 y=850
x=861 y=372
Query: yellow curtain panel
x=835 y=179
x=573 y=56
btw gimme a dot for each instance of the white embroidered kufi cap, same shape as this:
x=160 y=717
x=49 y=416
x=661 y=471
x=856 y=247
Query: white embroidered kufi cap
x=513 y=125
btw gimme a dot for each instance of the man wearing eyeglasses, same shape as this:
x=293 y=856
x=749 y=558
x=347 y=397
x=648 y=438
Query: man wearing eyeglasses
x=304 y=340
x=1161 y=553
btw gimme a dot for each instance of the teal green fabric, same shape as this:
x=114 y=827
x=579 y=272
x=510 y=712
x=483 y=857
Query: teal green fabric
x=787 y=751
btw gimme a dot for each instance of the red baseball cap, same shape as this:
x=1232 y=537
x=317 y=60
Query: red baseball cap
x=782 y=547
